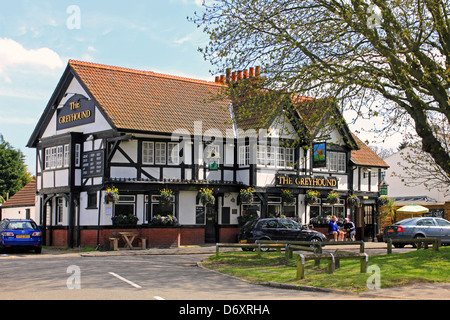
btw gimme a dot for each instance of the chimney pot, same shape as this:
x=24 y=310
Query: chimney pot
x=222 y=79
x=252 y=72
x=217 y=79
x=258 y=71
x=228 y=74
x=239 y=75
x=233 y=76
x=245 y=74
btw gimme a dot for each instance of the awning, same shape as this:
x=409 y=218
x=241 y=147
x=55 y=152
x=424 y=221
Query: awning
x=413 y=208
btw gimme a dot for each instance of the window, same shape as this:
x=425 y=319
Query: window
x=66 y=155
x=59 y=156
x=158 y=208
x=270 y=156
x=160 y=153
x=125 y=206
x=244 y=155
x=77 y=155
x=53 y=158
x=290 y=158
x=173 y=153
x=280 y=157
x=59 y=210
x=336 y=161
x=261 y=155
x=148 y=152
x=48 y=158
x=92 y=200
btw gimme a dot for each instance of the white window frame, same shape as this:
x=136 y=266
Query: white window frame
x=244 y=155
x=290 y=158
x=77 y=155
x=173 y=153
x=59 y=156
x=66 y=155
x=148 y=152
x=160 y=153
x=336 y=161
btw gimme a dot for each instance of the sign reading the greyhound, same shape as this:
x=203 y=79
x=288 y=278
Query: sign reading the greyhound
x=78 y=110
x=305 y=181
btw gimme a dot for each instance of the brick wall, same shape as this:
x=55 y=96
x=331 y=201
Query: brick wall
x=156 y=237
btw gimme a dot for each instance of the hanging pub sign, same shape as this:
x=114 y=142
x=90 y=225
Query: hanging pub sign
x=305 y=181
x=320 y=155
x=78 y=110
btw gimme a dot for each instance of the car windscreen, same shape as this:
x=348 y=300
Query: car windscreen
x=21 y=225
x=249 y=225
x=289 y=224
x=406 y=222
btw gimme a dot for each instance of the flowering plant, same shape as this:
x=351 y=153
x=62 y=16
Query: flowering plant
x=353 y=200
x=333 y=197
x=166 y=196
x=312 y=196
x=247 y=195
x=112 y=194
x=287 y=196
x=318 y=221
x=383 y=200
x=168 y=220
x=206 y=196
x=122 y=219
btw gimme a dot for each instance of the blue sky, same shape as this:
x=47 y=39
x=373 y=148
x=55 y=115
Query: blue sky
x=38 y=37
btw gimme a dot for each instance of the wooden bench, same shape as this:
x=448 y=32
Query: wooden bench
x=333 y=259
x=142 y=242
x=114 y=243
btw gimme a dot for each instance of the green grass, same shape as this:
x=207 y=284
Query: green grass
x=418 y=266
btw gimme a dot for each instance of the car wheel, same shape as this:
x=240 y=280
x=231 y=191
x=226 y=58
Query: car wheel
x=417 y=236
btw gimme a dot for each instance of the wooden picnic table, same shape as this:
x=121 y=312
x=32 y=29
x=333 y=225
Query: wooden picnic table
x=128 y=237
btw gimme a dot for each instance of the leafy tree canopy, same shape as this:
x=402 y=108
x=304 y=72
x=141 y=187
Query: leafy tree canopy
x=13 y=171
x=377 y=57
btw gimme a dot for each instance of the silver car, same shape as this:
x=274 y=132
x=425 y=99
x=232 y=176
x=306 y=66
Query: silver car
x=423 y=227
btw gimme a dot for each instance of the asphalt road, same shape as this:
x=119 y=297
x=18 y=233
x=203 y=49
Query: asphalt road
x=146 y=277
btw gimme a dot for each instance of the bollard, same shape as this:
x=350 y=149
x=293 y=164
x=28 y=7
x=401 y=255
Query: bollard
x=389 y=246
x=364 y=263
x=300 y=267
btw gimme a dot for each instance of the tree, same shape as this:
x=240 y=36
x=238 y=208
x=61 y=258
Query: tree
x=13 y=172
x=377 y=57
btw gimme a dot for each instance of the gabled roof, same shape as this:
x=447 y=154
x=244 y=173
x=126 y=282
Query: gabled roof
x=25 y=197
x=152 y=102
x=366 y=156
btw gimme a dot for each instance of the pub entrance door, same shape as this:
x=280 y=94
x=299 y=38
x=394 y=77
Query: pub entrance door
x=369 y=222
x=211 y=234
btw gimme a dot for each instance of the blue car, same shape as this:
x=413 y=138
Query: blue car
x=20 y=233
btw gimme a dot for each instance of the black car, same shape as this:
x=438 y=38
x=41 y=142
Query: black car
x=277 y=229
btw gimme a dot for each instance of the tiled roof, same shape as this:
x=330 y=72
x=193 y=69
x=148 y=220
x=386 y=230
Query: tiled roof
x=24 y=197
x=152 y=102
x=366 y=156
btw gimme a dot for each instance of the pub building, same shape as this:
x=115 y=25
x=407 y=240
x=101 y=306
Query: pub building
x=127 y=150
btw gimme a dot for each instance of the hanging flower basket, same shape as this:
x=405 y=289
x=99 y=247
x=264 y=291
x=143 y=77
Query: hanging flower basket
x=312 y=196
x=206 y=196
x=287 y=196
x=383 y=200
x=112 y=195
x=166 y=196
x=247 y=195
x=353 y=200
x=333 y=197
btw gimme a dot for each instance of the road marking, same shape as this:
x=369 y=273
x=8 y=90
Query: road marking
x=158 y=298
x=125 y=280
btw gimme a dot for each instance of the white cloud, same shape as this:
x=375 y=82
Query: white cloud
x=13 y=53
